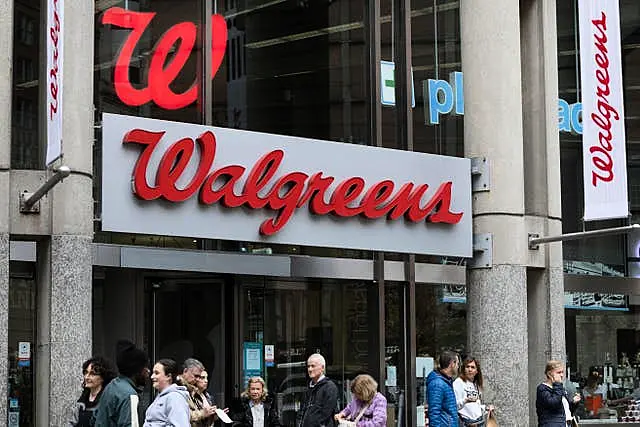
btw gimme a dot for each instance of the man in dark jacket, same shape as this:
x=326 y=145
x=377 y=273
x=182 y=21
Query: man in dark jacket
x=115 y=407
x=321 y=398
x=443 y=411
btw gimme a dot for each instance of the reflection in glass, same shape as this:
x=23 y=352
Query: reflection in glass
x=301 y=318
x=608 y=254
x=25 y=146
x=110 y=42
x=142 y=33
x=21 y=342
x=441 y=324
x=294 y=68
x=602 y=336
x=395 y=389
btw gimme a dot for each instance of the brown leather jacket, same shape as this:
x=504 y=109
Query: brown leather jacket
x=197 y=413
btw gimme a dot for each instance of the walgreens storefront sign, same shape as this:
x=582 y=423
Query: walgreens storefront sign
x=189 y=180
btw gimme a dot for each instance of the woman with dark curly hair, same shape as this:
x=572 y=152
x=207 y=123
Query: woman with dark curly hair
x=97 y=372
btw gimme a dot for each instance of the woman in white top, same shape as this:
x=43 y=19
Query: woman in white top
x=468 y=390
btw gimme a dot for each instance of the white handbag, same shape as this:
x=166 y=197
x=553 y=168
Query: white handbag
x=134 y=410
x=354 y=423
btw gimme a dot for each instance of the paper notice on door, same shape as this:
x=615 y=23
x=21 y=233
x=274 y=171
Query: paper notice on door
x=269 y=355
x=392 y=376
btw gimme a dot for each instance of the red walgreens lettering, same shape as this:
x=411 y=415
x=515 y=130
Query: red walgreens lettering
x=284 y=196
x=600 y=154
x=160 y=77
x=54 y=35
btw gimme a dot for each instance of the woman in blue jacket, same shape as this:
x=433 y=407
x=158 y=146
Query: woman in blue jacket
x=553 y=404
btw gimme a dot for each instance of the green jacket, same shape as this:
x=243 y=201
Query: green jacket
x=114 y=409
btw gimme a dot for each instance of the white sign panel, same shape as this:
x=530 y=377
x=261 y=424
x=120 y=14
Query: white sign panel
x=24 y=350
x=603 y=138
x=269 y=354
x=53 y=88
x=388 y=84
x=189 y=180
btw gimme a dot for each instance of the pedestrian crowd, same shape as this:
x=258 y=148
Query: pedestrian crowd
x=454 y=397
x=453 y=402
x=110 y=398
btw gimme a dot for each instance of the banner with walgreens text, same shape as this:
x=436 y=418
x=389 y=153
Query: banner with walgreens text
x=603 y=138
x=53 y=88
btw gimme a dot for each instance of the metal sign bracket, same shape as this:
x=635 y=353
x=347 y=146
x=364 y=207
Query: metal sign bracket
x=482 y=251
x=480 y=174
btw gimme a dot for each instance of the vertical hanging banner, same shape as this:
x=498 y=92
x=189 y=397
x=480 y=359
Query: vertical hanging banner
x=53 y=88
x=603 y=138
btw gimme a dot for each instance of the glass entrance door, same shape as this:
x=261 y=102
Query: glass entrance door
x=188 y=320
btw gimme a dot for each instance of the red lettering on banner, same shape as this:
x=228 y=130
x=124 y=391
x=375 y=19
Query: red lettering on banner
x=161 y=75
x=54 y=34
x=600 y=154
x=289 y=193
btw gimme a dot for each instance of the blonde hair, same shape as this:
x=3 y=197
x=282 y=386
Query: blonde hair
x=252 y=380
x=364 y=387
x=552 y=365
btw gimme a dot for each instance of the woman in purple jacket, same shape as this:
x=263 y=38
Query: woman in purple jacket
x=368 y=407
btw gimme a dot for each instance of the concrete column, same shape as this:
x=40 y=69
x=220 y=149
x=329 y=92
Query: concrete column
x=497 y=318
x=516 y=307
x=6 y=59
x=545 y=290
x=70 y=308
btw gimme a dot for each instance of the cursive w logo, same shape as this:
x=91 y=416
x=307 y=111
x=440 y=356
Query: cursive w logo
x=161 y=74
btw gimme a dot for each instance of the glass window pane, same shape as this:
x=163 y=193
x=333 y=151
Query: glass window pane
x=294 y=68
x=299 y=318
x=607 y=256
x=394 y=388
x=435 y=28
x=603 y=348
x=25 y=146
x=147 y=59
x=138 y=46
x=22 y=318
x=441 y=324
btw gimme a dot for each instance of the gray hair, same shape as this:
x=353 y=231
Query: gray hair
x=191 y=363
x=319 y=358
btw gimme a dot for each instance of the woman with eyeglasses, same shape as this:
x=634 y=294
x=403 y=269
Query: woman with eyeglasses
x=201 y=405
x=97 y=372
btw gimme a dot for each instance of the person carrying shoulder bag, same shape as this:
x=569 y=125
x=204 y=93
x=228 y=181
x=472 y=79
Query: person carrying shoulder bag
x=368 y=407
x=468 y=390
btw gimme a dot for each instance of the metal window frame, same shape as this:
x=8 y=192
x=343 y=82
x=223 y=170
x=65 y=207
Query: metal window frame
x=287 y=266
x=404 y=136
